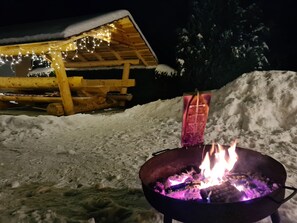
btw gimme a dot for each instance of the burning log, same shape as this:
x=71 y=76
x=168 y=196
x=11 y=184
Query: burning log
x=189 y=184
x=214 y=181
x=222 y=193
x=178 y=187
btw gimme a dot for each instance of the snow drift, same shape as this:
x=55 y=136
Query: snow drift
x=84 y=168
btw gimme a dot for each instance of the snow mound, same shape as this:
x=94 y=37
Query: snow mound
x=170 y=108
x=256 y=101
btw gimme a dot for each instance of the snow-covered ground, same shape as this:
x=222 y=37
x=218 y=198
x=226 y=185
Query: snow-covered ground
x=84 y=167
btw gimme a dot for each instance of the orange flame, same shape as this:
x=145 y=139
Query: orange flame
x=222 y=164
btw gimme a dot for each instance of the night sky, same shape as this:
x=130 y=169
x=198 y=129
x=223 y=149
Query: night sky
x=158 y=21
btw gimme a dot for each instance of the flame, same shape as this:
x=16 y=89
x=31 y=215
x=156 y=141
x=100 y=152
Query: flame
x=222 y=164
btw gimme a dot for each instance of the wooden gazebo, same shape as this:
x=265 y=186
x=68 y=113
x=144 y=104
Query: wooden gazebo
x=108 y=40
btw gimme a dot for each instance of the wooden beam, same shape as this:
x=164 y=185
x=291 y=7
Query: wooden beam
x=98 y=56
x=116 y=55
x=38 y=98
x=121 y=40
x=30 y=98
x=37 y=48
x=120 y=97
x=75 y=83
x=87 y=106
x=81 y=57
x=102 y=87
x=125 y=76
x=58 y=65
x=141 y=58
x=30 y=83
x=55 y=109
x=108 y=83
x=99 y=63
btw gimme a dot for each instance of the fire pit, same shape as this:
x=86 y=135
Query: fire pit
x=212 y=184
x=168 y=163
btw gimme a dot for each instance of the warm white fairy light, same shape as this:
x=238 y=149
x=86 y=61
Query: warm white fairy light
x=94 y=39
x=1 y=61
x=88 y=44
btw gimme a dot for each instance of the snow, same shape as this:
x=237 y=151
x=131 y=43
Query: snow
x=67 y=28
x=95 y=22
x=41 y=72
x=84 y=167
x=163 y=69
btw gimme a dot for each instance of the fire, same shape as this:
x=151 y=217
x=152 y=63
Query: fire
x=213 y=181
x=213 y=174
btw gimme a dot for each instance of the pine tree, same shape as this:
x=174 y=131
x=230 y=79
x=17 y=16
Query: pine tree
x=222 y=39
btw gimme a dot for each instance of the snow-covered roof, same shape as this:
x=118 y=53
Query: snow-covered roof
x=64 y=28
x=57 y=29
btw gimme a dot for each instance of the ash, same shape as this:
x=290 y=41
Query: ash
x=189 y=184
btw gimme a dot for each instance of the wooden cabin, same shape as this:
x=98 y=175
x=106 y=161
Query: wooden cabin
x=102 y=41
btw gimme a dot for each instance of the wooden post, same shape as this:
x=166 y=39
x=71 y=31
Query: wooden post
x=58 y=65
x=125 y=76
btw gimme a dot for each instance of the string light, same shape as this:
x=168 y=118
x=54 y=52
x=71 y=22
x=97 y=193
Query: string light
x=88 y=43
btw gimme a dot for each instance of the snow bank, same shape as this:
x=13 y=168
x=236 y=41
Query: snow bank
x=257 y=101
x=52 y=167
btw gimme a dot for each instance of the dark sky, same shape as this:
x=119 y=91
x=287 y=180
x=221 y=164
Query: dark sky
x=281 y=18
x=158 y=21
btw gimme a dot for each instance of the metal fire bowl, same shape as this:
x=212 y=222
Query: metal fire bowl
x=168 y=162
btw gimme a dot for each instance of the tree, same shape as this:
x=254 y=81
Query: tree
x=221 y=40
